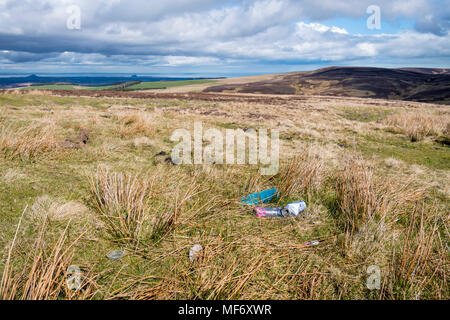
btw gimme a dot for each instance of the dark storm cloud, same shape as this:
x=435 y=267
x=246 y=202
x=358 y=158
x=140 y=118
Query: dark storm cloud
x=18 y=57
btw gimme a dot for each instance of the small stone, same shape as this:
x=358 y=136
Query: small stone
x=115 y=255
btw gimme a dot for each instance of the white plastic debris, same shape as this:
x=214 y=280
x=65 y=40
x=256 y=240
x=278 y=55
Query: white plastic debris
x=312 y=243
x=295 y=208
x=115 y=255
x=194 y=252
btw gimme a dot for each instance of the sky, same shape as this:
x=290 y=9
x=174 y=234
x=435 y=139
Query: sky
x=220 y=37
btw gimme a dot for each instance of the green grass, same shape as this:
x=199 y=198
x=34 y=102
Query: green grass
x=52 y=87
x=140 y=86
x=426 y=153
x=66 y=87
x=366 y=114
x=230 y=125
x=100 y=88
x=30 y=100
x=235 y=241
x=166 y=84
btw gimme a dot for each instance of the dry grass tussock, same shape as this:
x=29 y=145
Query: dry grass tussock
x=45 y=207
x=362 y=196
x=27 y=143
x=302 y=175
x=387 y=223
x=219 y=272
x=369 y=208
x=419 y=261
x=420 y=125
x=137 y=207
x=121 y=201
x=136 y=123
x=43 y=275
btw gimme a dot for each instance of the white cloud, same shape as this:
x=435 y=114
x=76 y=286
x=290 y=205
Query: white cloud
x=174 y=61
x=212 y=32
x=367 y=49
x=302 y=27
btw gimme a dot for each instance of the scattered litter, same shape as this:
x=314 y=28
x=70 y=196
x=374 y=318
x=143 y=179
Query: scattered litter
x=115 y=255
x=194 y=252
x=270 y=212
x=295 y=208
x=290 y=210
x=259 y=197
x=312 y=243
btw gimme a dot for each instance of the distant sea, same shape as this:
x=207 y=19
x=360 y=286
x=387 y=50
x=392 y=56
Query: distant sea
x=17 y=80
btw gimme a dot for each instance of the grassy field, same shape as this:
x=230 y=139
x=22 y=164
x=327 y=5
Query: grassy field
x=52 y=87
x=81 y=177
x=66 y=87
x=140 y=86
x=167 y=84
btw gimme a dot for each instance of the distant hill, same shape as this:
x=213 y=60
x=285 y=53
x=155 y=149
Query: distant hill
x=427 y=70
x=415 y=84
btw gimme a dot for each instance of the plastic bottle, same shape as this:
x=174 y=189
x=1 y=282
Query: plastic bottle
x=292 y=209
x=263 y=212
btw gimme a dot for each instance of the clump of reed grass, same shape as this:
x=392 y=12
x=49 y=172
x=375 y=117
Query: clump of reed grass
x=418 y=265
x=136 y=123
x=220 y=272
x=301 y=175
x=369 y=208
x=166 y=219
x=138 y=207
x=40 y=273
x=420 y=125
x=362 y=196
x=27 y=143
x=121 y=200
